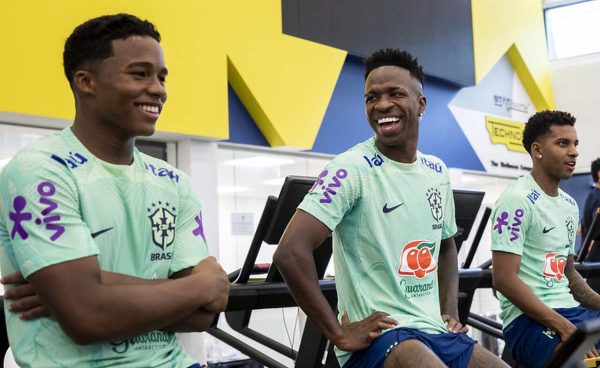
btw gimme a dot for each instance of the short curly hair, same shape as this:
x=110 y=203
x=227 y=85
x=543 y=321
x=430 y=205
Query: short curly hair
x=595 y=168
x=539 y=125
x=92 y=41
x=394 y=57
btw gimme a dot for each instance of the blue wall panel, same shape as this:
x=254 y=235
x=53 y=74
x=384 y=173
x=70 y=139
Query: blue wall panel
x=242 y=128
x=345 y=124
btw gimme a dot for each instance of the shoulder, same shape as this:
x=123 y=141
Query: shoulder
x=362 y=156
x=432 y=163
x=47 y=156
x=519 y=193
x=568 y=199
x=163 y=171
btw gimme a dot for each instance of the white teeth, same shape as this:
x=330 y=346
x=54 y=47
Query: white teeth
x=152 y=109
x=387 y=120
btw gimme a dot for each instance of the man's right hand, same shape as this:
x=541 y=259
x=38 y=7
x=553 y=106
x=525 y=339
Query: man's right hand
x=567 y=331
x=359 y=335
x=217 y=282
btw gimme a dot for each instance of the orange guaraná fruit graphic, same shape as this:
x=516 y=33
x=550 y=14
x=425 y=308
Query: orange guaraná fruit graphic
x=417 y=258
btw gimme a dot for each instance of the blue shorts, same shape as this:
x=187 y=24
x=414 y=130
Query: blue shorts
x=532 y=343
x=454 y=349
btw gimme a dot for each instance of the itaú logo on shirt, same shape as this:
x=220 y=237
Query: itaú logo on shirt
x=554 y=268
x=417 y=259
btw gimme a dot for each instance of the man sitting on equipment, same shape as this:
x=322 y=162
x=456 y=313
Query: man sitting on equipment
x=391 y=212
x=533 y=236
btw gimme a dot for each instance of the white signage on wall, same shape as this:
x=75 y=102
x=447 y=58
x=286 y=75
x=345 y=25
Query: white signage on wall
x=492 y=116
x=242 y=223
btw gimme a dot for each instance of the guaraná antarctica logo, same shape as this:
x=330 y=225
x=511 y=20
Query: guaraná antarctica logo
x=417 y=259
x=554 y=268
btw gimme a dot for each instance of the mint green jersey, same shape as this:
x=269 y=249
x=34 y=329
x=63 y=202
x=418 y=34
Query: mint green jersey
x=540 y=229
x=58 y=202
x=388 y=220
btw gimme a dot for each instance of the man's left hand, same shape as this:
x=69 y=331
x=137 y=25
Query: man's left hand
x=24 y=299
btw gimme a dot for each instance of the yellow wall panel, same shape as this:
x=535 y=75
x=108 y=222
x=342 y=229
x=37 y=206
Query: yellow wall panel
x=287 y=81
x=515 y=27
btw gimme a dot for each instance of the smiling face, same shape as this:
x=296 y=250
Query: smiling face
x=129 y=87
x=558 y=151
x=393 y=102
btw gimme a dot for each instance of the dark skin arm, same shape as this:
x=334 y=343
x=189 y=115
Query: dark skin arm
x=30 y=306
x=294 y=258
x=76 y=291
x=581 y=291
x=507 y=281
x=448 y=282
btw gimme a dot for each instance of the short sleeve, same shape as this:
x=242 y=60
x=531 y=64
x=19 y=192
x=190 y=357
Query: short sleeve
x=190 y=243
x=41 y=214
x=334 y=193
x=575 y=226
x=510 y=220
x=449 y=228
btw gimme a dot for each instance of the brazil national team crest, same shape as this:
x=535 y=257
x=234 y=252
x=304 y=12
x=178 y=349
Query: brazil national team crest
x=554 y=268
x=435 y=203
x=570 y=224
x=162 y=219
x=417 y=259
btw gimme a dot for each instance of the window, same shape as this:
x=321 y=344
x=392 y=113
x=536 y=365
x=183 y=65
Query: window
x=572 y=29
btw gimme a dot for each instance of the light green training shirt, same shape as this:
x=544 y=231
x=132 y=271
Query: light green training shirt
x=59 y=203
x=388 y=219
x=541 y=229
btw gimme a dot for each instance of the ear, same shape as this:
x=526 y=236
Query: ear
x=422 y=104
x=536 y=150
x=84 y=81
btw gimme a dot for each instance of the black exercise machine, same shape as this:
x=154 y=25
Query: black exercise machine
x=593 y=234
x=247 y=294
x=272 y=292
x=571 y=353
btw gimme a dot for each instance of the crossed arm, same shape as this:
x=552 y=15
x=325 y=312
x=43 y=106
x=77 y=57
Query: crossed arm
x=89 y=304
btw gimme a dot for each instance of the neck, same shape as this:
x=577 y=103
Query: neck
x=548 y=183
x=598 y=185
x=406 y=154
x=107 y=147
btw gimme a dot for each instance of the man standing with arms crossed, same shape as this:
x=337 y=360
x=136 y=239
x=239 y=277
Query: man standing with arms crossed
x=110 y=239
x=391 y=212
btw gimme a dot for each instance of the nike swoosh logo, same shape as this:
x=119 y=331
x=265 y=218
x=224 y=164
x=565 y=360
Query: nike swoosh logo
x=387 y=209
x=94 y=235
x=545 y=231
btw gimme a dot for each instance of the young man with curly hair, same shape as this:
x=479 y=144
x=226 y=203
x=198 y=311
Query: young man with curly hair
x=391 y=211
x=534 y=223
x=106 y=239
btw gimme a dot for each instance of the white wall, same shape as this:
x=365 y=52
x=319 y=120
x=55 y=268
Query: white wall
x=198 y=159
x=576 y=85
